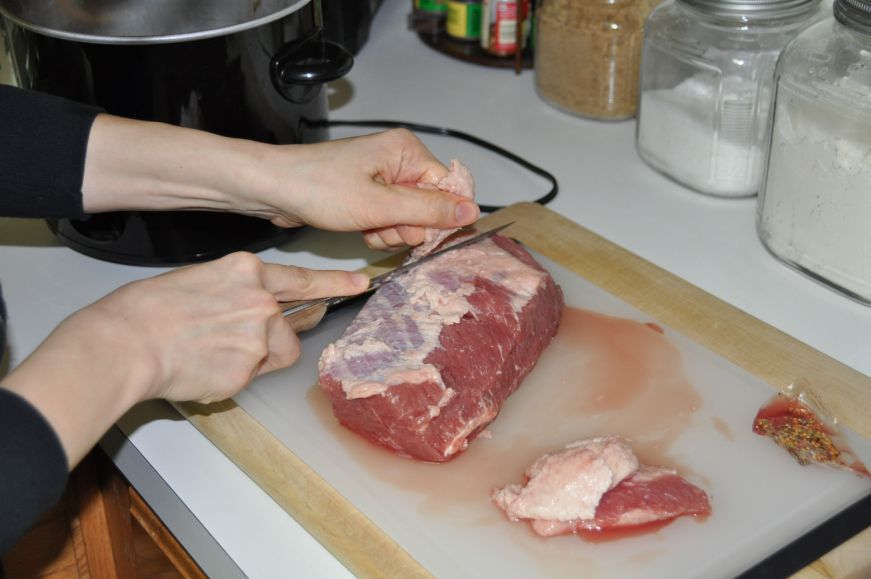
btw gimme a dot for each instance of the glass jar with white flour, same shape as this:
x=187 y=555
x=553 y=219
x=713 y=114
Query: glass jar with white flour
x=707 y=76
x=814 y=209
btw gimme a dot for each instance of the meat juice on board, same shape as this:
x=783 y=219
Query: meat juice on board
x=601 y=374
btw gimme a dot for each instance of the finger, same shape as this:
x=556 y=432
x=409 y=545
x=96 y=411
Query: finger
x=282 y=345
x=411 y=235
x=288 y=283
x=423 y=208
x=417 y=164
x=374 y=241
x=390 y=237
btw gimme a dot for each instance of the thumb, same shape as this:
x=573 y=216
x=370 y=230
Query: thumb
x=424 y=208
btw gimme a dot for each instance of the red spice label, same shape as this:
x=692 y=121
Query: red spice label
x=500 y=21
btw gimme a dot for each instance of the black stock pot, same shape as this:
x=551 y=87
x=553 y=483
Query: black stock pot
x=254 y=69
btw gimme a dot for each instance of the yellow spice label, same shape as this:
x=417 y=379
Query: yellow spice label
x=464 y=20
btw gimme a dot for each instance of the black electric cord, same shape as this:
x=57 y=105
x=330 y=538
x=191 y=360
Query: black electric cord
x=445 y=132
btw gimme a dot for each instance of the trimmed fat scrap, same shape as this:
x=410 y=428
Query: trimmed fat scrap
x=458 y=181
x=598 y=485
x=432 y=356
x=569 y=484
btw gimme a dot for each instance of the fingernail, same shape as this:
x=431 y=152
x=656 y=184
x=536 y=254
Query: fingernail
x=466 y=212
x=360 y=279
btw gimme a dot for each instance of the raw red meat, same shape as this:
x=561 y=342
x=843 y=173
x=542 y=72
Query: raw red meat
x=649 y=494
x=570 y=495
x=432 y=356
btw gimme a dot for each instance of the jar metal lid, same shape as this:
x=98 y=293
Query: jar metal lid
x=854 y=12
x=750 y=7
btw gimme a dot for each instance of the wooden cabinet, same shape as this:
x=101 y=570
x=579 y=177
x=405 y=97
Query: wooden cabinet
x=100 y=529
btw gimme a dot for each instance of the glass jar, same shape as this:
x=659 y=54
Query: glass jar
x=707 y=76
x=814 y=208
x=587 y=54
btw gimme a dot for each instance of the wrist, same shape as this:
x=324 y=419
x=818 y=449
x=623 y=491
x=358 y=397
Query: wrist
x=82 y=379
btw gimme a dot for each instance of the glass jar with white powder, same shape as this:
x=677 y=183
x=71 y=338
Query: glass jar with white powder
x=814 y=209
x=707 y=77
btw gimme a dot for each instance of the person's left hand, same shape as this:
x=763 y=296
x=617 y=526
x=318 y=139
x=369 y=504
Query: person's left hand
x=382 y=184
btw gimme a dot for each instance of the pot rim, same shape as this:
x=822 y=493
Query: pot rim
x=150 y=38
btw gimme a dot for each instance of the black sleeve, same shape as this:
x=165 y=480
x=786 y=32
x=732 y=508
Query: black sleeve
x=43 y=140
x=33 y=467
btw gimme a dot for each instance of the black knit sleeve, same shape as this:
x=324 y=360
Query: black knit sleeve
x=33 y=467
x=43 y=140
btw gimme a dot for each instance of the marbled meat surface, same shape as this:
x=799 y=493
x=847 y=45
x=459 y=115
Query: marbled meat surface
x=432 y=356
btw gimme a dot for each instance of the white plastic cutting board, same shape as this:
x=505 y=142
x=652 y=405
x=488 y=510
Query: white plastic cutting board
x=442 y=515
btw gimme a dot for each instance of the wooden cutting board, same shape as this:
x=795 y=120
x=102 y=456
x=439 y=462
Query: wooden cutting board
x=752 y=345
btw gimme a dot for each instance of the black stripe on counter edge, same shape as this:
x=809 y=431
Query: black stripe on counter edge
x=811 y=546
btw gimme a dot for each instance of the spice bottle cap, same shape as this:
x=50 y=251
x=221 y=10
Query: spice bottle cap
x=751 y=7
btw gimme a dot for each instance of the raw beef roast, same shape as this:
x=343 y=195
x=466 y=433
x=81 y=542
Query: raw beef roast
x=432 y=356
x=598 y=485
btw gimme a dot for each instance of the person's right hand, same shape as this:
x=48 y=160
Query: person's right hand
x=207 y=330
x=196 y=333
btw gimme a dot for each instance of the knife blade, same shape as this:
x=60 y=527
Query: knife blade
x=298 y=307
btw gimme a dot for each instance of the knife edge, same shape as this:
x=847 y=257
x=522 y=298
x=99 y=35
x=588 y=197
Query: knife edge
x=295 y=307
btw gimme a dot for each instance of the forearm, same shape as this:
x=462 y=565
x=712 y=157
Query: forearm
x=361 y=184
x=155 y=166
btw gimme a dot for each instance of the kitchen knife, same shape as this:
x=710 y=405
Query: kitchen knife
x=306 y=314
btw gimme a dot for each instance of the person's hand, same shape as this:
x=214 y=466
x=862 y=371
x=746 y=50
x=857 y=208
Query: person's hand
x=382 y=184
x=196 y=333
x=207 y=330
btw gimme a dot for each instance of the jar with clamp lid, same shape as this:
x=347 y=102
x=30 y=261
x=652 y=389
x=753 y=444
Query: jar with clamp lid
x=814 y=208
x=707 y=77
x=587 y=54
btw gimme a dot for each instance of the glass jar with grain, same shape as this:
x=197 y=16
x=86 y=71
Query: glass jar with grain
x=587 y=55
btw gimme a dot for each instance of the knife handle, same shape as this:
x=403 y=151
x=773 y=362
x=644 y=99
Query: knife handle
x=305 y=319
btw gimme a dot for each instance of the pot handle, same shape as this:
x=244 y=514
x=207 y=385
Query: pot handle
x=300 y=67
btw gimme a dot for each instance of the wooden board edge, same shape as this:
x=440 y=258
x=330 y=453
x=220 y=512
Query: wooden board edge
x=332 y=520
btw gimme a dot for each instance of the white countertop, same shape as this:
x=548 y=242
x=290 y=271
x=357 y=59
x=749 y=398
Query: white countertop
x=229 y=524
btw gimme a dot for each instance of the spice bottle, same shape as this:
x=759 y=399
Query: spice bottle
x=499 y=22
x=707 y=78
x=814 y=207
x=587 y=54
x=464 y=19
